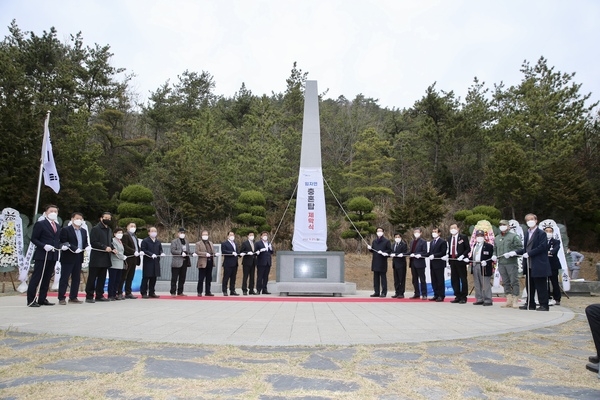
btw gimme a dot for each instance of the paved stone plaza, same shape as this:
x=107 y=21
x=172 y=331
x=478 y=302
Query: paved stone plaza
x=282 y=349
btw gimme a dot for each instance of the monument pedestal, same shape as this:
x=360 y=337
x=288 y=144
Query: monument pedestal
x=311 y=272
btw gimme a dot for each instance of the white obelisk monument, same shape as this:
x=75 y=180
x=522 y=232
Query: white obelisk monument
x=310 y=225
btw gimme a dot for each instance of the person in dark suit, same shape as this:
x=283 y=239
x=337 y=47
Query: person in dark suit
x=76 y=239
x=592 y=312
x=132 y=260
x=553 y=249
x=152 y=250
x=180 y=248
x=264 y=251
x=399 y=249
x=418 y=249
x=482 y=269
x=458 y=250
x=381 y=249
x=101 y=241
x=46 y=238
x=230 y=264
x=535 y=264
x=437 y=263
x=248 y=265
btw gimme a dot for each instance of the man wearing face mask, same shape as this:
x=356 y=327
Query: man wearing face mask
x=418 y=250
x=505 y=243
x=482 y=270
x=535 y=264
x=205 y=255
x=437 y=263
x=230 y=264
x=553 y=248
x=248 y=265
x=264 y=250
x=46 y=238
x=180 y=248
x=75 y=239
x=152 y=251
x=399 y=249
x=459 y=249
x=101 y=241
x=381 y=249
x=132 y=254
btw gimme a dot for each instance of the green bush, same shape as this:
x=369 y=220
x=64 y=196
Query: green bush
x=361 y=204
x=253 y=197
x=349 y=234
x=257 y=210
x=490 y=211
x=127 y=209
x=136 y=194
x=462 y=214
x=474 y=218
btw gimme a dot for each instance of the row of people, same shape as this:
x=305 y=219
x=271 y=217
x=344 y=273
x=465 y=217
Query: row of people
x=539 y=251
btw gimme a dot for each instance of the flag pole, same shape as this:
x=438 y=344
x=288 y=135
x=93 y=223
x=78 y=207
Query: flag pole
x=39 y=188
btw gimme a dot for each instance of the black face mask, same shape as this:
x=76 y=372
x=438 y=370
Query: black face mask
x=107 y=222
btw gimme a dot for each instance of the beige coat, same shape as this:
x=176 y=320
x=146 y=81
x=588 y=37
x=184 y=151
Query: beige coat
x=201 y=251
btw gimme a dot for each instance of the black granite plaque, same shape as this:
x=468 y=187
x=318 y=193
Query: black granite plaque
x=310 y=268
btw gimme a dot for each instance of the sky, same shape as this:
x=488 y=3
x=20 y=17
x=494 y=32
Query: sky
x=389 y=50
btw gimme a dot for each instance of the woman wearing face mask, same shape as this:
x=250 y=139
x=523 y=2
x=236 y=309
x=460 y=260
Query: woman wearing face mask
x=117 y=259
x=180 y=248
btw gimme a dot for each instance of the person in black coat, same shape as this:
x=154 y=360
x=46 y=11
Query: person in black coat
x=101 y=241
x=46 y=238
x=248 y=264
x=381 y=249
x=553 y=249
x=132 y=252
x=399 y=249
x=482 y=269
x=152 y=250
x=458 y=249
x=437 y=263
x=76 y=239
x=229 y=250
x=418 y=250
x=263 y=262
x=535 y=264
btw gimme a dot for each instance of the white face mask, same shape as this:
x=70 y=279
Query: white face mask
x=77 y=222
x=181 y=235
x=204 y=237
x=52 y=216
x=232 y=238
x=453 y=231
x=250 y=237
x=398 y=240
x=434 y=235
x=379 y=234
x=417 y=235
x=153 y=234
x=531 y=223
x=265 y=238
x=119 y=236
x=503 y=228
x=480 y=239
x=549 y=235
x=132 y=230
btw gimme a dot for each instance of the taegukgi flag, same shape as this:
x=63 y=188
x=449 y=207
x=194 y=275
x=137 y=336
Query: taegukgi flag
x=50 y=173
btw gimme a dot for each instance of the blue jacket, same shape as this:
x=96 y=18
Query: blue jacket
x=42 y=235
x=69 y=237
x=537 y=250
x=420 y=247
x=264 y=258
x=227 y=250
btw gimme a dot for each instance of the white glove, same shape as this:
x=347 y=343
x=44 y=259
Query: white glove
x=270 y=247
x=242 y=254
x=412 y=255
x=263 y=249
x=78 y=251
x=445 y=258
x=136 y=253
x=183 y=254
x=525 y=255
x=162 y=254
x=257 y=252
x=506 y=255
x=194 y=255
x=483 y=263
x=460 y=258
x=153 y=255
x=64 y=247
x=89 y=248
x=512 y=254
x=392 y=255
x=234 y=253
x=207 y=254
x=48 y=247
x=369 y=247
x=466 y=259
x=379 y=252
x=494 y=258
x=400 y=255
x=217 y=254
x=417 y=255
x=431 y=257
x=385 y=254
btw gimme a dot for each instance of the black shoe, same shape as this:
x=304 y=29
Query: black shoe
x=375 y=295
x=439 y=299
x=265 y=292
x=433 y=299
x=462 y=301
x=488 y=304
x=154 y=296
x=34 y=305
x=130 y=296
x=245 y=293
x=383 y=294
x=225 y=294
x=145 y=296
x=525 y=307
x=234 y=294
x=101 y=299
x=90 y=300
x=395 y=296
x=46 y=303
x=542 y=309
x=478 y=303
x=416 y=296
x=199 y=294
x=209 y=294
x=594 y=359
x=557 y=303
x=592 y=367
x=252 y=292
x=400 y=296
x=112 y=299
x=423 y=297
x=456 y=300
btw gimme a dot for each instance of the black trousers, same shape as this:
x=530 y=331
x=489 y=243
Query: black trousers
x=114 y=279
x=95 y=282
x=229 y=274
x=204 y=279
x=593 y=316
x=148 y=285
x=418 y=275
x=539 y=285
x=178 y=274
x=43 y=275
x=553 y=279
x=248 y=277
x=380 y=280
x=262 y=277
x=127 y=277
x=437 y=282
x=67 y=271
x=458 y=279
x=399 y=279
